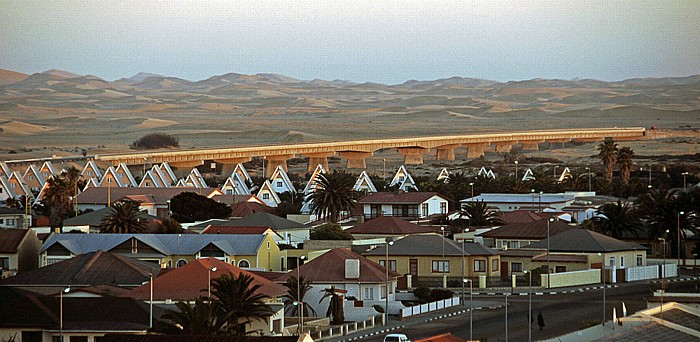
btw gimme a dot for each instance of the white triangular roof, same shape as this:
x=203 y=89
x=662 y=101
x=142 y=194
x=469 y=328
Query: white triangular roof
x=160 y=175
x=528 y=175
x=403 y=179
x=444 y=174
x=92 y=166
x=92 y=182
x=181 y=184
x=169 y=174
x=242 y=172
x=483 y=172
x=490 y=174
x=236 y=184
x=122 y=168
x=153 y=178
x=112 y=172
x=18 y=179
x=31 y=169
x=48 y=166
x=364 y=183
x=7 y=192
x=311 y=184
x=564 y=174
x=192 y=181
x=7 y=172
x=41 y=193
x=200 y=180
x=273 y=200
x=281 y=176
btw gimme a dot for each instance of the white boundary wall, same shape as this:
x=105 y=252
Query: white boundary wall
x=432 y=306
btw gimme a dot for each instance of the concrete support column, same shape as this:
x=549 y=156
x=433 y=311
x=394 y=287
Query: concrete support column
x=505 y=146
x=531 y=145
x=589 y=139
x=356 y=159
x=229 y=164
x=412 y=155
x=446 y=152
x=274 y=161
x=318 y=158
x=475 y=150
x=562 y=141
x=182 y=169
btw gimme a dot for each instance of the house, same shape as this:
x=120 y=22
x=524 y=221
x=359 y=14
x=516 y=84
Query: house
x=311 y=186
x=410 y=205
x=444 y=175
x=5 y=170
x=388 y=226
x=362 y=280
x=84 y=270
x=96 y=198
x=531 y=201
x=241 y=230
x=191 y=281
x=91 y=171
x=111 y=179
x=168 y=250
x=403 y=180
x=6 y=191
x=242 y=173
x=292 y=232
x=124 y=175
x=516 y=235
x=528 y=176
x=486 y=174
x=598 y=249
x=152 y=180
x=14 y=218
x=268 y=195
x=280 y=181
x=426 y=257
x=364 y=183
x=235 y=185
x=246 y=208
x=18 y=251
x=89 y=222
x=47 y=170
x=564 y=175
x=33 y=178
x=18 y=185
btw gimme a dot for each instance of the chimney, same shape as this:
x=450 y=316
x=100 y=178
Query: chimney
x=352 y=269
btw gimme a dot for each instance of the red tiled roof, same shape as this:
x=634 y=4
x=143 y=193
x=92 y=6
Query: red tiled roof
x=562 y=258
x=447 y=337
x=256 y=230
x=10 y=239
x=231 y=199
x=242 y=209
x=190 y=281
x=330 y=268
x=520 y=216
x=536 y=230
x=398 y=197
x=390 y=225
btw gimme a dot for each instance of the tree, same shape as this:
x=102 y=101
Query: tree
x=660 y=209
x=477 y=213
x=57 y=201
x=335 y=307
x=202 y=318
x=617 y=220
x=625 y=163
x=168 y=226
x=155 y=140
x=329 y=231
x=291 y=203
x=334 y=194
x=240 y=300
x=293 y=286
x=123 y=218
x=190 y=207
x=607 y=152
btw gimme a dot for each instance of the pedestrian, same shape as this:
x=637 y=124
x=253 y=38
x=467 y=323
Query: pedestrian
x=540 y=320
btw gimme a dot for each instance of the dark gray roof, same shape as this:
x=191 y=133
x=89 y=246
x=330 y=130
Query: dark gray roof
x=265 y=220
x=430 y=244
x=584 y=241
x=94 y=218
x=11 y=211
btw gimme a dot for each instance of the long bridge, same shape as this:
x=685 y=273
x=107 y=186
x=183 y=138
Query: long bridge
x=356 y=151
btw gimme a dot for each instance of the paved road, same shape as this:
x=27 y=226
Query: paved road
x=563 y=313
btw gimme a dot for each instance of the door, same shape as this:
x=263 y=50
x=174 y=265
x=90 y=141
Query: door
x=504 y=270
x=413 y=268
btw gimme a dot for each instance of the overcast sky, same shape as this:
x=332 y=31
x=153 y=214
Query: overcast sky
x=374 y=40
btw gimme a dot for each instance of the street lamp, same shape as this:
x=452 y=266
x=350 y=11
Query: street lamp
x=150 y=303
x=389 y=241
x=443 y=257
x=60 y=313
x=213 y=269
x=384 y=170
x=588 y=172
x=472 y=186
x=301 y=307
x=678 y=247
x=506 y=294
x=602 y=278
x=663 y=277
x=463 y=238
x=516 y=170
x=539 y=202
x=684 y=183
x=471 y=309
x=529 y=308
x=549 y=269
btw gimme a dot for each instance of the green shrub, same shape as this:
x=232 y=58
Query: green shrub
x=155 y=140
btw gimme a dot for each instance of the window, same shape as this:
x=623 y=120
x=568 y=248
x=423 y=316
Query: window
x=45 y=174
x=622 y=261
x=441 y=266
x=134 y=246
x=277 y=326
x=640 y=260
x=89 y=173
x=229 y=191
x=243 y=264
x=424 y=208
x=181 y=262
x=392 y=264
x=369 y=293
x=78 y=339
x=479 y=265
x=266 y=196
x=494 y=264
x=383 y=291
x=13 y=185
x=401 y=178
x=443 y=208
x=279 y=184
x=30 y=177
x=10 y=222
x=612 y=262
x=559 y=269
x=5 y=263
x=516 y=267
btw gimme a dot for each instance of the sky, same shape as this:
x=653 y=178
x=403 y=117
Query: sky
x=362 y=41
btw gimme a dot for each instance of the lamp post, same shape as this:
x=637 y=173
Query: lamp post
x=506 y=294
x=539 y=202
x=301 y=307
x=472 y=186
x=588 y=173
x=263 y=167
x=471 y=309
x=532 y=199
x=60 y=313
x=684 y=183
x=389 y=241
x=551 y=219
x=213 y=269
x=109 y=192
x=150 y=302
x=555 y=172
x=442 y=229
x=663 y=277
x=516 y=170
x=529 y=308
x=602 y=278
x=169 y=213
x=463 y=238
x=649 y=175
x=384 y=170
x=678 y=233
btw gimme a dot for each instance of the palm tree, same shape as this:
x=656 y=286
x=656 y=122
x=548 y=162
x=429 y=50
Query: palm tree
x=660 y=209
x=293 y=286
x=57 y=201
x=334 y=194
x=617 y=219
x=608 y=155
x=625 y=163
x=240 y=301
x=204 y=318
x=477 y=213
x=124 y=218
x=335 y=307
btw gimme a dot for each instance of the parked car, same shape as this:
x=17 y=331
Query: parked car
x=396 y=338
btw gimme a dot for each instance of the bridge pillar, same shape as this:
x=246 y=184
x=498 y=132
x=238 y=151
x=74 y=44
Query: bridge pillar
x=562 y=141
x=229 y=164
x=446 y=152
x=588 y=139
x=318 y=158
x=356 y=159
x=531 y=145
x=274 y=161
x=412 y=155
x=505 y=146
x=475 y=150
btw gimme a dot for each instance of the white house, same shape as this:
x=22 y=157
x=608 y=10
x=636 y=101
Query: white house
x=403 y=179
x=268 y=195
x=91 y=171
x=280 y=181
x=235 y=185
x=531 y=201
x=409 y=205
x=364 y=183
x=444 y=175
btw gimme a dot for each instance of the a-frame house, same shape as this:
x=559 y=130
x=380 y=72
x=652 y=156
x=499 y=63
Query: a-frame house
x=91 y=171
x=92 y=183
x=169 y=175
x=235 y=185
x=33 y=178
x=47 y=170
x=6 y=191
x=280 y=181
x=310 y=187
x=444 y=175
x=268 y=195
x=5 y=170
x=16 y=182
x=403 y=179
x=564 y=175
x=151 y=180
x=364 y=183
x=122 y=171
x=111 y=179
x=528 y=176
x=243 y=173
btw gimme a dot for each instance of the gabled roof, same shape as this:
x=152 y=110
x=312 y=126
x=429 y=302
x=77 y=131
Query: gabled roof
x=168 y=172
x=195 y=173
x=91 y=166
x=98 y=195
x=281 y=175
x=111 y=174
x=88 y=269
x=528 y=175
x=329 y=267
x=236 y=183
x=6 y=171
x=122 y=168
x=403 y=179
x=94 y=218
x=430 y=245
x=520 y=216
x=32 y=169
x=233 y=199
x=536 y=230
x=16 y=178
x=584 y=241
x=398 y=197
x=4 y=184
x=389 y=225
x=193 y=181
x=241 y=171
x=10 y=239
x=92 y=182
x=162 y=177
x=266 y=220
x=190 y=281
x=257 y=230
x=243 y=209
x=564 y=174
x=267 y=188
x=364 y=182
x=311 y=184
x=444 y=174
x=48 y=166
x=154 y=180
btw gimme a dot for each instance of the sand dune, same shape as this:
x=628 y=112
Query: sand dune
x=460 y=115
x=151 y=123
x=23 y=128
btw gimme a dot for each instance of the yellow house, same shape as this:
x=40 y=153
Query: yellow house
x=429 y=257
